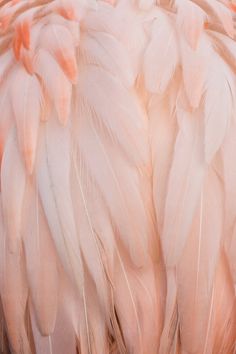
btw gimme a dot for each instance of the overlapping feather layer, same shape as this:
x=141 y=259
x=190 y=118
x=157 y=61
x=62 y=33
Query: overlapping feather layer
x=117 y=146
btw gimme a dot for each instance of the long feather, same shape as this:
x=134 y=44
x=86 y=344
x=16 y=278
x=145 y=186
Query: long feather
x=41 y=263
x=195 y=66
x=59 y=91
x=13 y=181
x=54 y=191
x=58 y=41
x=27 y=113
x=186 y=173
x=190 y=19
x=219 y=88
x=161 y=57
x=201 y=254
x=14 y=294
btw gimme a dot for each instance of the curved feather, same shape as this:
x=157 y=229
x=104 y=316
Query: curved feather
x=117 y=192
x=27 y=112
x=58 y=41
x=54 y=190
x=190 y=19
x=186 y=173
x=59 y=91
x=161 y=57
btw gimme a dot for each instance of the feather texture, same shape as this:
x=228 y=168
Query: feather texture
x=117 y=149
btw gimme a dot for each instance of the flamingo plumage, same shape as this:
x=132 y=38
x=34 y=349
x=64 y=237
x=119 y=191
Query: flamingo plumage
x=118 y=177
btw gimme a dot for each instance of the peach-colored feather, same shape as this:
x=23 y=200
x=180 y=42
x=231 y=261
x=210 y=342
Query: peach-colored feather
x=118 y=185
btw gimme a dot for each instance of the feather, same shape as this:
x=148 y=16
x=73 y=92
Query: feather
x=6 y=119
x=132 y=33
x=13 y=180
x=89 y=241
x=117 y=129
x=145 y=4
x=190 y=19
x=218 y=106
x=161 y=57
x=14 y=294
x=28 y=56
x=121 y=104
x=41 y=263
x=64 y=337
x=121 y=208
x=187 y=173
x=105 y=50
x=54 y=191
x=97 y=322
x=227 y=153
x=56 y=83
x=6 y=122
x=220 y=12
x=71 y=25
x=163 y=134
x=171 y=320
x=201 y=254
x=195 y=66
x=129 y=295
x=58 y=41
x=225 y=48
x=99 y=21
x=224 y=314
x=27 y=113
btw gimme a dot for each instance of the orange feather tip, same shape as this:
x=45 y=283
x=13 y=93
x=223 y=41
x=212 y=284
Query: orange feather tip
x=68 y=65
x=22 y=38
x=28 y=64
x=25 y=34
x=111 y=2
x=14 y=2
x=67 y=13
x=232 y=7
x=5 y=22
x=63 y=112
x=29 y=156
x=17 y=45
